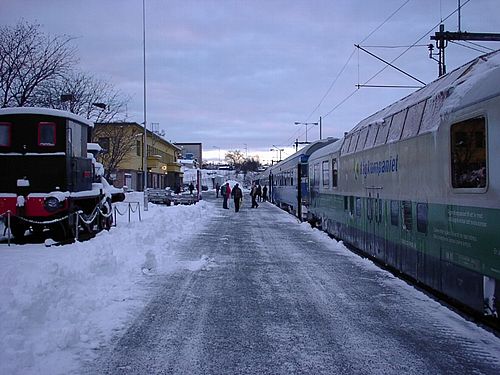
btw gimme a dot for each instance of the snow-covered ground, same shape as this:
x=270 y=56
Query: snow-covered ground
x=60 y=303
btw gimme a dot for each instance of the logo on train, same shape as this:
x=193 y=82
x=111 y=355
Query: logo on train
x=364 y=168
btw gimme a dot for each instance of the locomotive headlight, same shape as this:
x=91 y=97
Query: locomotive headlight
x=52 y=204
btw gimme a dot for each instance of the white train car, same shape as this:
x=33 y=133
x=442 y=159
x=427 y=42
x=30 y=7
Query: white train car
x=416 y=185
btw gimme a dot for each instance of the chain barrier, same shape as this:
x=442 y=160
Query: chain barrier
x=128 y=211
x=80 y=217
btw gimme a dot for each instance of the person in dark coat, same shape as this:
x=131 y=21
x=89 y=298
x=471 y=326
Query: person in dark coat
x=264 y=193
x=191 y=188
x=259 y=193
x=217 y=187
x=226 y=195
x=253 y=194
x=237 y=196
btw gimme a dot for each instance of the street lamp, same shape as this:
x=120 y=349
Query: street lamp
x=277 y=149
x=145 y=144
x=307 y=124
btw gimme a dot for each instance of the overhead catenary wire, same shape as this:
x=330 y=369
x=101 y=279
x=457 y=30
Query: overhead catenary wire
x=396 y=58
x=350 y=57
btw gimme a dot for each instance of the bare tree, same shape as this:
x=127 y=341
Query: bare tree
x=87 y=96
x=234 y=158
x=119 y=141
x=28 y=60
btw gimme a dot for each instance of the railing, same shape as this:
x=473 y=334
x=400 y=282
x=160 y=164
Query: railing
x=79 y=218
x=129 y=210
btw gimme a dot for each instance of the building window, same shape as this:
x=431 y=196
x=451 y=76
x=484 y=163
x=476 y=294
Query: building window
x=5 y=136
x=46 y=134
x=468 y=154
x=325 y=172
x=104 y=143
x=138 y=148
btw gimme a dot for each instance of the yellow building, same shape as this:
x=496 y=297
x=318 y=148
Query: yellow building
x=123 y=161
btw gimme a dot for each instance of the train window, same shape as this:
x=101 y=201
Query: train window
x=431 y=116
x=354 y=142
x=468 y=154
x=5 y=136
x=422 y=210
x=395 y=213
x=345 y=145
x=316 y=175
x=346 y=203
x=325 y=173
x=351 y=205
x=358 y=206
x=362 y=139
x=397 y=124
x=407 y=215
x=382 y=131
x=369 y=209
x=46 y=134
x=413 y=120
x=372 y=135
x=335 y=173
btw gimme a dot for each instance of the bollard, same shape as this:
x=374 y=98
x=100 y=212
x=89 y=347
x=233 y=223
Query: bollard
x=8 y=226
x=76 y=225
x=129 y=209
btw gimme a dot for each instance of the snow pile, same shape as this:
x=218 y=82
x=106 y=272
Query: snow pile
x=61 y=302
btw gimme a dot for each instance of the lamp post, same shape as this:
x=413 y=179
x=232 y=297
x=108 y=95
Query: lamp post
x=145 y=150
x=277 y=149
x=307 y=124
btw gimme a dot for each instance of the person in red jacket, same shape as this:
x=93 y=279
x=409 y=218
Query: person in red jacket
x=226 y=196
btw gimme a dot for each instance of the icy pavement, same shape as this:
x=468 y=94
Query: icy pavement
x=276 y=297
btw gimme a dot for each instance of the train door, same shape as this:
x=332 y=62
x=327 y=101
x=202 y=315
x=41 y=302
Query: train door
x=299 y=191
x=380 y=226
x=371 y=225
x=408 y=251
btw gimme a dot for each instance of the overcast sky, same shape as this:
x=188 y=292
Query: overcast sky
x=236 y=74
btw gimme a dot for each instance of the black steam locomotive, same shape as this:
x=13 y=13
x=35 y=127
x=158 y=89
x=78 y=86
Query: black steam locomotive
x=48 y=181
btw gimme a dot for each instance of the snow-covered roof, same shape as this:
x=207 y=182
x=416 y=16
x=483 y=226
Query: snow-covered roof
x=45 y=111
x=328 y=149
x=94 y=147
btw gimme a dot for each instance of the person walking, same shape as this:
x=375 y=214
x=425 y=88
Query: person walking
x=237 y=196
x=217 y=187
x=226 y=195
x=191 y=188
x=259 y=193
x=253 y=194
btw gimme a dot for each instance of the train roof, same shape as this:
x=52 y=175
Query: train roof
x=309 y=149
x=46 y=112
x=328 y=149
x=474 y=81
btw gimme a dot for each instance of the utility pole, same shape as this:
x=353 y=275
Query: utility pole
x=442 y=37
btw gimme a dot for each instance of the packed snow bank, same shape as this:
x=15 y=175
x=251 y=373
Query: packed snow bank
x=60 y=303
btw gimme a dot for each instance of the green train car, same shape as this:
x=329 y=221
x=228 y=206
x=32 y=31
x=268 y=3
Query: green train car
x=416 y=185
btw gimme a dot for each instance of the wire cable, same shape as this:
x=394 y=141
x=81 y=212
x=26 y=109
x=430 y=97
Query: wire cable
x=396 y=58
